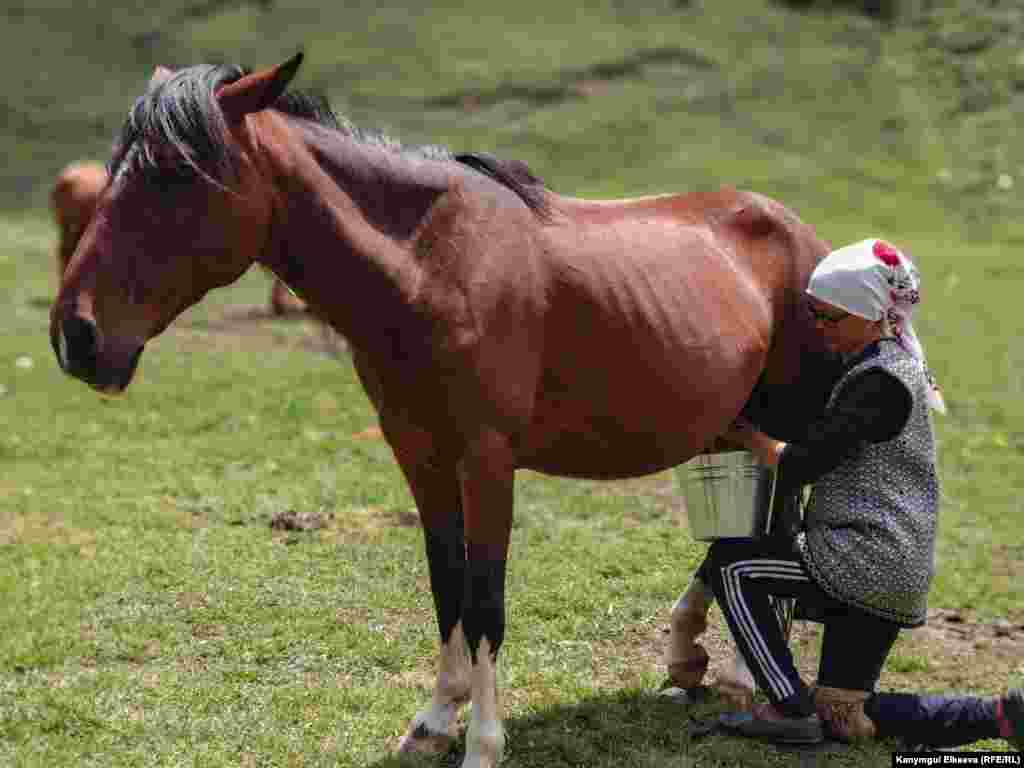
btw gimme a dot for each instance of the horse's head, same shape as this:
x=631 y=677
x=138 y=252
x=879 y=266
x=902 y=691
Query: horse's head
x=187 y=209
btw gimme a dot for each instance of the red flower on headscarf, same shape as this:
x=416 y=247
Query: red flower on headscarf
x=886 y=253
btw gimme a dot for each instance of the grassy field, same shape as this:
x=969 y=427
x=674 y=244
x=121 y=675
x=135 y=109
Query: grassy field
x=152 y=615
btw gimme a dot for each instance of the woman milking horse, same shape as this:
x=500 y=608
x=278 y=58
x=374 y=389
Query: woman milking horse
x=494 y=324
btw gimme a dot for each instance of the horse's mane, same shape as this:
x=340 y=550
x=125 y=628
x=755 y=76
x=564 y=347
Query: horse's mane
x=514 y=174
x=176 y=130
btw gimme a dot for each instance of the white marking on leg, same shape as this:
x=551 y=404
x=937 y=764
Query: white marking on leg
x=741 y=672
x=689 y=620
x=485 y=739
x=452 y=689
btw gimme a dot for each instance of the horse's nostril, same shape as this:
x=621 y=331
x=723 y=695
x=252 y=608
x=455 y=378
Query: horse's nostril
x=81 y=336
x=76 y=346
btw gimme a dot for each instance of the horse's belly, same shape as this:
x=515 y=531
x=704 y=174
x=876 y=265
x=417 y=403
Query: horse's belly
x=626 y=420
x=653 y=341
x=601 y=455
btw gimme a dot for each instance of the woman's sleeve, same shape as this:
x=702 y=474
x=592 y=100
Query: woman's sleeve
x=870 y=408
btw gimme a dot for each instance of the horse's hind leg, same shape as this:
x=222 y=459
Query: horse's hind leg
x=686 y=661
x=436 y=490
x=736 y=683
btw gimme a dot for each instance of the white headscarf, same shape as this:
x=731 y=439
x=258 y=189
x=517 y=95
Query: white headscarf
x=871 y=279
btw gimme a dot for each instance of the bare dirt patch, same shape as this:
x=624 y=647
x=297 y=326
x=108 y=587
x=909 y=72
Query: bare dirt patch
x=366 y=524
x=191 y=601
x=192 y=665
x=959 y=652
x=352 y=524
x=208 y=631
x=952 y=652
x=291 y=520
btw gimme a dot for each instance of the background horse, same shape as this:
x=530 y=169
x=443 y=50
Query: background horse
x=74 y=197
x=494 y=324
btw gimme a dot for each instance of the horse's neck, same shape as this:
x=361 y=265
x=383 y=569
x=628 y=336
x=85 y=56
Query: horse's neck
x=344 y=239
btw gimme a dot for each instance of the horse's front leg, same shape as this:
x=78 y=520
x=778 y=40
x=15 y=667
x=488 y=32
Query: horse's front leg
x=435 y=486
x=486 y=473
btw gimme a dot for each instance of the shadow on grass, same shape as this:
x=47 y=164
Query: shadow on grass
x=637 y=728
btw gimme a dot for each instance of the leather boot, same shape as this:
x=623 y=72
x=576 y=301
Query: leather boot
x=686 y=660
x=842 y=711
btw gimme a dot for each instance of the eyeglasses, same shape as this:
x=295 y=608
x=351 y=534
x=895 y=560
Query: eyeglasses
x=825 y=317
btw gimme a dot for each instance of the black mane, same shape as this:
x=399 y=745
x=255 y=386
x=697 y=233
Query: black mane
x=514 y=174
x=180 y=114
x=175 y=129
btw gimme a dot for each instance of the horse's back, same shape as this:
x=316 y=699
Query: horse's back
x=745 y=223
x=662 y=245
x=703 y=206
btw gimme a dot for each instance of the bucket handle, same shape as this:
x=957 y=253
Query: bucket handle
x=771 y=504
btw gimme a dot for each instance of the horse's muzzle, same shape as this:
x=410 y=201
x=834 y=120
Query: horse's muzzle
x=76 y=344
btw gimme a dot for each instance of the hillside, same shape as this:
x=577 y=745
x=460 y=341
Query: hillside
x=161 y=607
x=910 y=121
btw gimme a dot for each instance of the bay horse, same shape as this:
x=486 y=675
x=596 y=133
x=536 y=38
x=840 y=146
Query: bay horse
x=73 y=199
x=493 y=323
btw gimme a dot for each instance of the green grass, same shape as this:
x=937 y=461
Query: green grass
x=152 y=616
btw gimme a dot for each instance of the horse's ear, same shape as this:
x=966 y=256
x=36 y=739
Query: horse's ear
x=159 y=75
x=257 y=91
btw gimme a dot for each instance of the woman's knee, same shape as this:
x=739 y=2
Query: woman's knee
x=725 y=552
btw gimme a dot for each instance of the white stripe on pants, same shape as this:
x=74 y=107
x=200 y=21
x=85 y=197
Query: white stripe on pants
x=751 y=635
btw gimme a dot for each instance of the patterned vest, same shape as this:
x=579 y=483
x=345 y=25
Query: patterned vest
x=870 y=524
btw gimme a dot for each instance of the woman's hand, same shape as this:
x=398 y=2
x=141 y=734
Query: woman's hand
x=767 y=449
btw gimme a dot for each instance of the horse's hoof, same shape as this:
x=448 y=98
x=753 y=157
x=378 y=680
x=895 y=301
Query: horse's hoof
x=689 y=673
x=421 y=741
